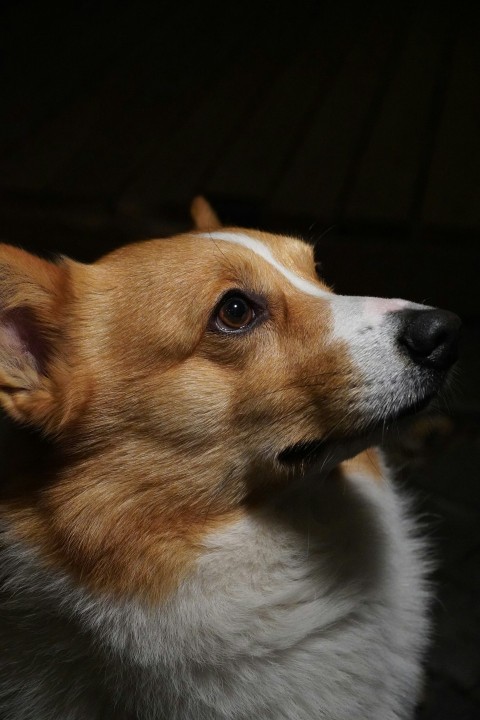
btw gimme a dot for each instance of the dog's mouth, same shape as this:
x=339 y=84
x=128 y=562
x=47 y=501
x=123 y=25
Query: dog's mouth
x=332 y=450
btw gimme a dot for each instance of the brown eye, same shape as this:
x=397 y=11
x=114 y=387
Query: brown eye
x=235 y=313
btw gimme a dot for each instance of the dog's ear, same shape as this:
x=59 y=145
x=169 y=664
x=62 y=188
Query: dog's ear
x=203 y=215
x=31 y=307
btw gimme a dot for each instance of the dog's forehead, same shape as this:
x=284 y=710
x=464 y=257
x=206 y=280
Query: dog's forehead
x=287 y=257
x=209 y=260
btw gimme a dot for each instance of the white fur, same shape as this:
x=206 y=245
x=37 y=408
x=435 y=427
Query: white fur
x=351 y=313
x=260 y=249
x=367 y=325
x=313 y=609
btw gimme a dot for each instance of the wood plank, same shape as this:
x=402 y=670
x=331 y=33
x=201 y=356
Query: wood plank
x=49 y=54
x=66 y=156
x=314 y=185
x=180 y=165
x=426 y=273
x=24 y=78
x=82 y=230
x=383 y=191
x=269 y=137
x=85 y=231
x=149 y=100
x=453 y=193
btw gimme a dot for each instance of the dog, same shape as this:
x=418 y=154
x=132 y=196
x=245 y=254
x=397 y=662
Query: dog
x=194 y=522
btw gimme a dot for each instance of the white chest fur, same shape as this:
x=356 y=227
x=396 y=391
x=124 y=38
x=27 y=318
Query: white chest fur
x=314 y=608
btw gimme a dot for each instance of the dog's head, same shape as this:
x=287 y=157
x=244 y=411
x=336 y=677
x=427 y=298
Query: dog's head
x=180 y=376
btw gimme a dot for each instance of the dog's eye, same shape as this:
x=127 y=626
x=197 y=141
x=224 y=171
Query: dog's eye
x=238 y=311
x=235 y=313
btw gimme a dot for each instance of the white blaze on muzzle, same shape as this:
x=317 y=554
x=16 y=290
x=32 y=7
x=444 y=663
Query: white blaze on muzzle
x=369 y=328
x=350 y=313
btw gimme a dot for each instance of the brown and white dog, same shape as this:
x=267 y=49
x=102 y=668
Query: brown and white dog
x=183 y=534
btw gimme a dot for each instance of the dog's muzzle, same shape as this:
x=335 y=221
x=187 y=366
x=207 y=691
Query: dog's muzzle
x=430 y=337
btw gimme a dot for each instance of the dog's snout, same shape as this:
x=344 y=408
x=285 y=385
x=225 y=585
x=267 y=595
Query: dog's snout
x=431 y=337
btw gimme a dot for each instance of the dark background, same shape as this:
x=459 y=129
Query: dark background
x=356 y=124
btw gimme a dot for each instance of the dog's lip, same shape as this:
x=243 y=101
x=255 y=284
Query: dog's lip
x=313 y=450
x=307 y=451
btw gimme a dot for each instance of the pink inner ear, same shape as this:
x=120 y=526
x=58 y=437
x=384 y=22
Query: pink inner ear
x=20 y=336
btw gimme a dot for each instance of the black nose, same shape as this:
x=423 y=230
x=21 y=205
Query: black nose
x=431 y=337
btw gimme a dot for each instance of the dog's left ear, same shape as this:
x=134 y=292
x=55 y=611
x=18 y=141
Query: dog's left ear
x=32 y=294
x=204 y=217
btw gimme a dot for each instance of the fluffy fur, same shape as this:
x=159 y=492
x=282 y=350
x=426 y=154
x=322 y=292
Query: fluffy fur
x=167 y=551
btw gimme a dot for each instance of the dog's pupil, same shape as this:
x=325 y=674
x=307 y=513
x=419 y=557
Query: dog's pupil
x=236 y=309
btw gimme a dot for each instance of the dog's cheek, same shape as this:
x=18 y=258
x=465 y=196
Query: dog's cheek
x=339 y=388
x=190 y=406
x=323 y=385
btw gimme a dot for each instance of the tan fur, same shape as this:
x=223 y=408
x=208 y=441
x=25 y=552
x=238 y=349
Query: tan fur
x=203 y=215
x=366 y=463
x=151 y=412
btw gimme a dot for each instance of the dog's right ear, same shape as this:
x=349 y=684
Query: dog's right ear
x=203 y=215
x=32 y=294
